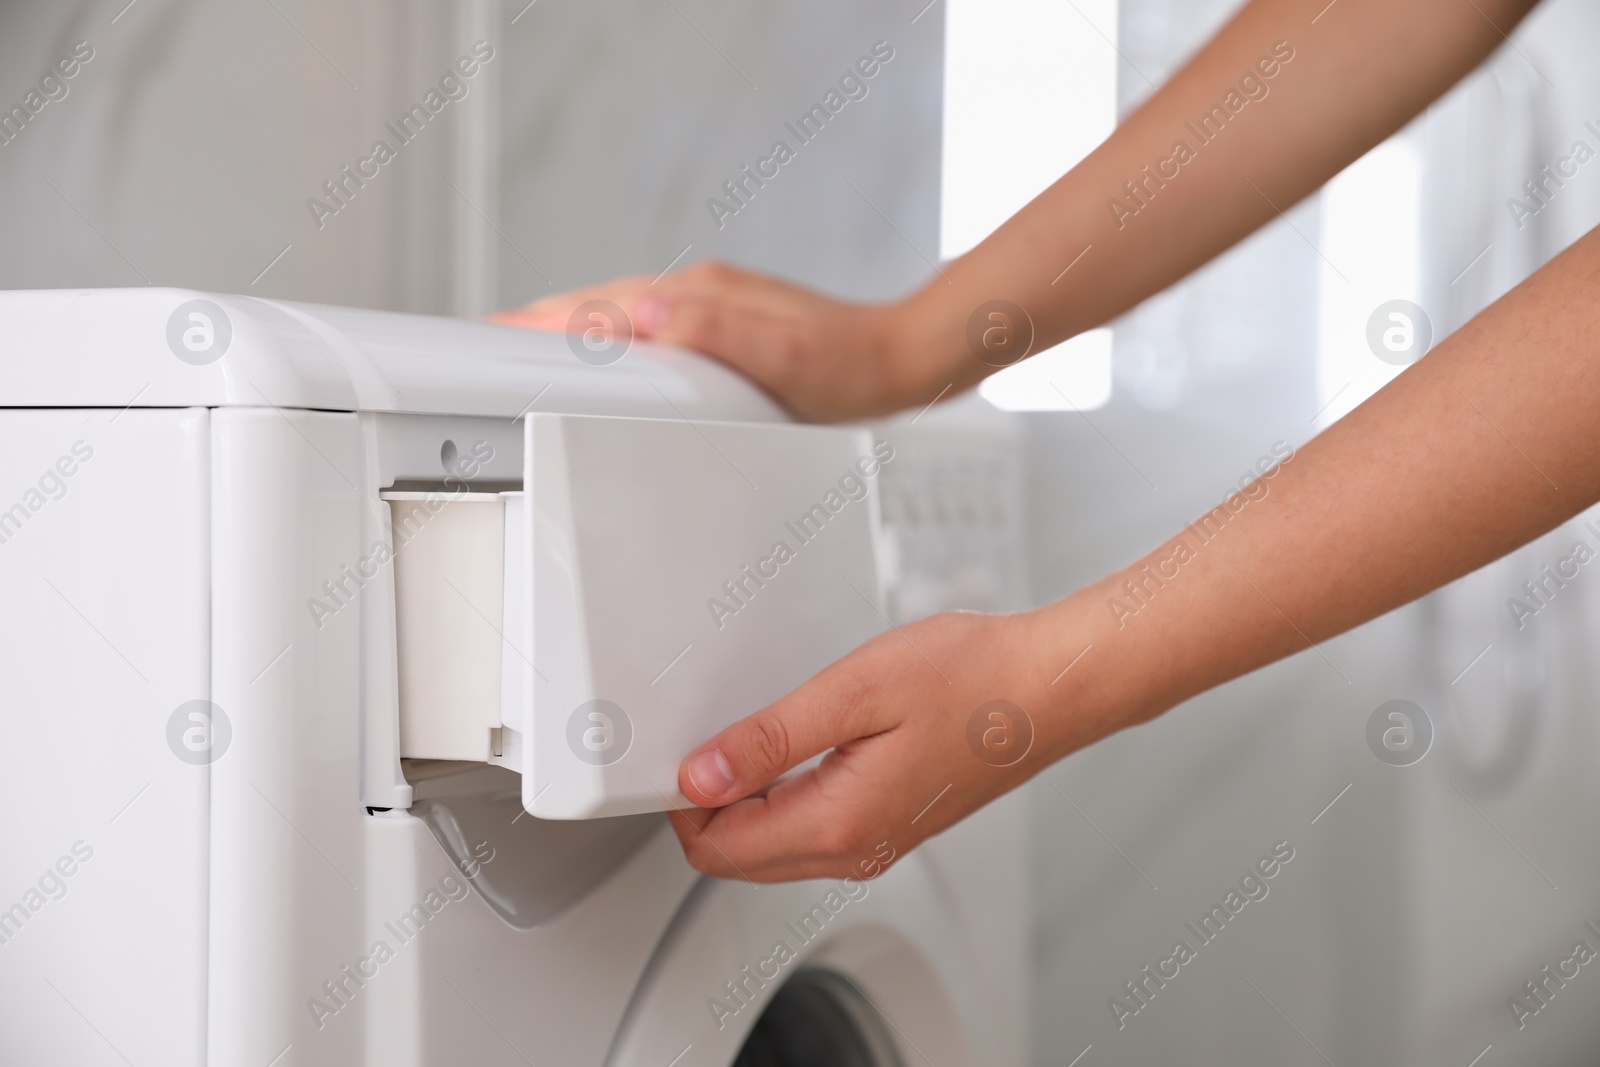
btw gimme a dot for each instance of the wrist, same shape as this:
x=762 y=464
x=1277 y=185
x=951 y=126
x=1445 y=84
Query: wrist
x=1094 y=679
x=923 y=345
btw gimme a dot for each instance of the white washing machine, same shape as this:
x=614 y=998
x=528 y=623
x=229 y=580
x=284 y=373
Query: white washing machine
x=347 y=656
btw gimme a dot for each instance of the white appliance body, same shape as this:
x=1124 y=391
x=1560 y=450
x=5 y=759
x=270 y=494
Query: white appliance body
x=217 y=855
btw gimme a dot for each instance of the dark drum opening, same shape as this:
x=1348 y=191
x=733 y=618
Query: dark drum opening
x=818 y=1019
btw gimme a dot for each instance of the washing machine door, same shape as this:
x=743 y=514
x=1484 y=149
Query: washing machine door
x=808 y=974
x=818 y=1016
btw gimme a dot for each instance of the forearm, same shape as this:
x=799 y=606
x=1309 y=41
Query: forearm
x=1359 y=73
x=1485 y=444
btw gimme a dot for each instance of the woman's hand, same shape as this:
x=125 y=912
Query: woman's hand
x=824 y=359
x=926 y=723
x=1497 y=422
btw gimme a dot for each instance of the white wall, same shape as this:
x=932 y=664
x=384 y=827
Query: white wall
x=185 y=151
x=1418 y=904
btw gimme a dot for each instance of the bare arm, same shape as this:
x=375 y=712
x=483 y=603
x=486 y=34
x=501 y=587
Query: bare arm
x=1486 y=443
x=1148 y=218
x=1489 y=441
x=1319 y=96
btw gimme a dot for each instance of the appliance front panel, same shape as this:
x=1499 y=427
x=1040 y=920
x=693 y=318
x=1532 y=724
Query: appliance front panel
x=105 y=652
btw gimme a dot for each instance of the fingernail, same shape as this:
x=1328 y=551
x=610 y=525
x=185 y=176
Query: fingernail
x=650 y=314
x=711 y=773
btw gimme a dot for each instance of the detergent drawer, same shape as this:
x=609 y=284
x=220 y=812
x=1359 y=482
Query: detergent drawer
x=654 y=581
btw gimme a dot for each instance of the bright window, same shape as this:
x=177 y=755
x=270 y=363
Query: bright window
x=1030 y=89
x=1073 y=376
x=1371 y=259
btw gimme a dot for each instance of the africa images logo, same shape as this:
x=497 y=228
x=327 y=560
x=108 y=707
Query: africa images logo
x=199 y=732
x=1253 y=86
x=852 y=86
x=52 y=88
x=1000 y=733
x=199 y=332
x=741 y=589
x=599 y=732
x=1399 y=732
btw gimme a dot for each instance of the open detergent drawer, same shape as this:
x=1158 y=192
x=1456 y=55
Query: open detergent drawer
x=654 y=581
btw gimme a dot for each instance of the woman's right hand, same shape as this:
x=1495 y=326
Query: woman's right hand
x=824 y=359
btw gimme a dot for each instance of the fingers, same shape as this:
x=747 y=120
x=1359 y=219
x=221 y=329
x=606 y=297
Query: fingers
x=645 y=299
x=709 y=307
x=804 y=827
x=554 y=312
x=832 y=709
x=911 y=744
x=794 y=343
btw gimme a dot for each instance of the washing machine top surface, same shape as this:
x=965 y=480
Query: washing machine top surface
x=159 y=347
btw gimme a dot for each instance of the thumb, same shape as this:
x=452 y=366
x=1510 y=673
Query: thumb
x=750 y=754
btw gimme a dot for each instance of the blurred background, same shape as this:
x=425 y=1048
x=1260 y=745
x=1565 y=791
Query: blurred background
x=189 y=149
